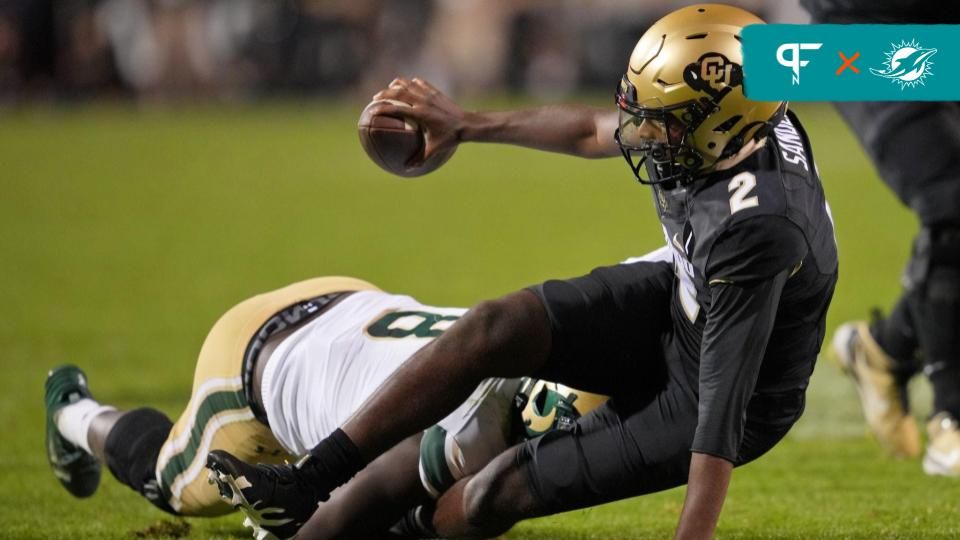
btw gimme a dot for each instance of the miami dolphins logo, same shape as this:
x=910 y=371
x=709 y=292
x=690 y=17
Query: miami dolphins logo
x=907 y=64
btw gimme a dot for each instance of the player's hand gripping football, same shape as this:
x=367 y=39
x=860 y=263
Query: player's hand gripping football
x=439 y=116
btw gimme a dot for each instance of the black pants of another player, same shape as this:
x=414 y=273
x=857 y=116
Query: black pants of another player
x=916 y=149
x=613 y=334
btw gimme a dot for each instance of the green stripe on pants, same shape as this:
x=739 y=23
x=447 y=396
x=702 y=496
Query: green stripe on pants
x=211 y=406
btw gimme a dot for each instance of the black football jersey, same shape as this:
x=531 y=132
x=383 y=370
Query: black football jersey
x=756 y=262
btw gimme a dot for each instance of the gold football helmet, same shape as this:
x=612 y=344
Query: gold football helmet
x=682 y=105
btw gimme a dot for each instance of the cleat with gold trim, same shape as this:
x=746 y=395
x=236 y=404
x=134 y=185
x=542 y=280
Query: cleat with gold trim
x=883 y=397
x=943 y=446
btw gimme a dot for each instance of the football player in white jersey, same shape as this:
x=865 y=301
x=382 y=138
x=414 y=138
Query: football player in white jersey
x=276 y=374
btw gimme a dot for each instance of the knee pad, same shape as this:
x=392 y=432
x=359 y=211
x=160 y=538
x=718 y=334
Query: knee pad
x=132 y=448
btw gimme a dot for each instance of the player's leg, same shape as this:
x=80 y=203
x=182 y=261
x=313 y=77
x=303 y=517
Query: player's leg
x=142 y=448
x=916 y=148
x=486 y=504
x=933 y=292
x=82 y=434
x=99 y=431
x=896 y=335
x=164 y=461
x=499 y=413
x=613 y=345
x=618 y=451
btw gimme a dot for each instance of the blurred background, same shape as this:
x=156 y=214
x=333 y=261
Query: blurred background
x=151 y=50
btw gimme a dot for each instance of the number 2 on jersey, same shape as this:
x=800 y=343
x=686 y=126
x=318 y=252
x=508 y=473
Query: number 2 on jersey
x=741 y=186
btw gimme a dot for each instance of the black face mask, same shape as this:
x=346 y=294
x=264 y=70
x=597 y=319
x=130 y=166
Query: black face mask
x=654 y=137
x=660 y=160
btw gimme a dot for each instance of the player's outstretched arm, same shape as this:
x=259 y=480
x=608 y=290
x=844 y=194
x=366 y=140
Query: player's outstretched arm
x=568 y=129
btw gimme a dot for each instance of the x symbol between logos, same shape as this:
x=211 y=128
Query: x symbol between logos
x=848 y=62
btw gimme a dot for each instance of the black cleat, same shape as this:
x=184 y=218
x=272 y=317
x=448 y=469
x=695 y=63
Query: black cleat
x=76 y=469
x=276 y=499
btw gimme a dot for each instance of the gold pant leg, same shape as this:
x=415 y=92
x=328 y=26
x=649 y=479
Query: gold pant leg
x=218 y=416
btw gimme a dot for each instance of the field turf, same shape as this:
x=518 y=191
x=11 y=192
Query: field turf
x=126 y=233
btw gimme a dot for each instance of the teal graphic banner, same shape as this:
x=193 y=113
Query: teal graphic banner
x=851 y=62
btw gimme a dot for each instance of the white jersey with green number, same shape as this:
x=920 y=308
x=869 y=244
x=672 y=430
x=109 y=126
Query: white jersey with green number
x=319 y=375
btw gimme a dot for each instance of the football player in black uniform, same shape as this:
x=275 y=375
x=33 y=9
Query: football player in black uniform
x=916 y=149
x=707 y=351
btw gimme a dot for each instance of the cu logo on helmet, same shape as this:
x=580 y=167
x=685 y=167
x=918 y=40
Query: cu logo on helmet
x=715 y=71
x=714 y=74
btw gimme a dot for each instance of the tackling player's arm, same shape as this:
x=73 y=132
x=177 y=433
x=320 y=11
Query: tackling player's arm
x=568 y=129
x=374 y=500
x=745 y=290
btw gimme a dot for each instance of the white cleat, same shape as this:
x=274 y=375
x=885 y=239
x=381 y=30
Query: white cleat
x=943 y=448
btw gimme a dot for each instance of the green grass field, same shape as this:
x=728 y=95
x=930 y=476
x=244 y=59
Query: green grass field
x=126 y=233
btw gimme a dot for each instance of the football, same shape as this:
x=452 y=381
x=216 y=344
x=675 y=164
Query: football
x=397 y=144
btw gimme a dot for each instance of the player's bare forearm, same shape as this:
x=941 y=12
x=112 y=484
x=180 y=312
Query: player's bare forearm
x=569 y=129
x=706 y=491
x=373 y=501
x=508 y=337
